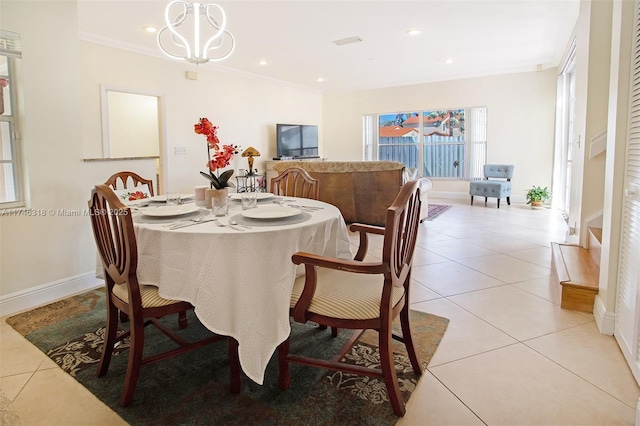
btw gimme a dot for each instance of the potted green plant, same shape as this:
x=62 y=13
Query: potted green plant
x=536 y=196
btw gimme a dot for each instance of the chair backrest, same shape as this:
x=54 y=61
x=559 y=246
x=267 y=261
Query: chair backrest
x=503 y=171
x=121 y=180
x=401 y=231
x=116 y=241
x=295 y=182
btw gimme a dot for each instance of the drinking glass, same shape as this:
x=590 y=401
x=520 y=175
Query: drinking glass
x=249 y=200
x=173 y=198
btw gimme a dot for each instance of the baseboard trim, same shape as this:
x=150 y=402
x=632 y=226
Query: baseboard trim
x=605 y=320
x=47 y=293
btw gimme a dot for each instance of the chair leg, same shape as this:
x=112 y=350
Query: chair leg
x=234 y=362
x=509 y=200
x=183 y=322
x=109 y=339
x=284 y=375
x=334 y=330
x=389 y=371
x=135 y=362
x=485 y=201
x=124 y=317
x=498 y=202
x=472 y=200
x=408 y=340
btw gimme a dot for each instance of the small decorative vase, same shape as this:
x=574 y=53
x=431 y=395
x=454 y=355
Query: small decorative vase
x=219 y=199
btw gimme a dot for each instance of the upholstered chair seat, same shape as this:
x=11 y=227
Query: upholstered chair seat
x=148 y=294
x=496 y=183
x=345 y=295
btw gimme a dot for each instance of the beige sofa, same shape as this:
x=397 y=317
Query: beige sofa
x=362 y=190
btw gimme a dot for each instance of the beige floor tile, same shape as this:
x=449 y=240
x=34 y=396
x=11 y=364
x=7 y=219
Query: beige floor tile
x=52 y=397
x=457 y=249
x=420 y=293
x=12 y=385
x=506 y=268
x=433 y=404
x=545 y=287
x=540 y=256
x=518 y=313
x=466 y=334
x=426 y=257
x=593 y=356
x=426 y=234
x=517 y=386
x=500 y=244
x=449 y=278
x=455 y=230
x=17 y=355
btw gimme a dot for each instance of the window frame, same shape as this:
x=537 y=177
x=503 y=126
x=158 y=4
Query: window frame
x=12 y=54
x=474 y=151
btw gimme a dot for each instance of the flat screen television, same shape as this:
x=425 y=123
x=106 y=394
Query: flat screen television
x=297 y=141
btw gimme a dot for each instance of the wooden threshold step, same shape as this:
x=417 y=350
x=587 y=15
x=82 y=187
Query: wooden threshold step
x=577 y=274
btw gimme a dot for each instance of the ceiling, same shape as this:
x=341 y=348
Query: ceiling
x=482 y=37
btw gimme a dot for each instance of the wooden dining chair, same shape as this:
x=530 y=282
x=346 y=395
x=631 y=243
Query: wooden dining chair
x=121 y=180
x=354 y=294
x=295 y=182
x=116 y=241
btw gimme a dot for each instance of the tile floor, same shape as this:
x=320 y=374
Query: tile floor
x=510 y=354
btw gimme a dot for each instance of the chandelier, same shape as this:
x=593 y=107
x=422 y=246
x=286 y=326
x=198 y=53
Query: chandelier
x=195 y=32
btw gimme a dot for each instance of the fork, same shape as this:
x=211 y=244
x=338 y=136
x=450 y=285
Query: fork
x=190 y=222
x=222 y=225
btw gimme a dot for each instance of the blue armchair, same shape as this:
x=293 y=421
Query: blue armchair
x=496 y=183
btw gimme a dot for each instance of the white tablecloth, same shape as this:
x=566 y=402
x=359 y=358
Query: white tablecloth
x=239 y=282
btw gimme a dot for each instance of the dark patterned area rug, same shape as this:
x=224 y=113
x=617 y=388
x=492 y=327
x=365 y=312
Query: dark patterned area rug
x=193 y=388
x=436 y=210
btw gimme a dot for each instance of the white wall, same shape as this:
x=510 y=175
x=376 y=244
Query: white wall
x=41 y=249
x=596 y=59
x=246 y=109
x=521 y=117
x=52 y=254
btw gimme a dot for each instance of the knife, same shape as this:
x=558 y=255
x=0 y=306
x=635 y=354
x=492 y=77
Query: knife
x=193 y=222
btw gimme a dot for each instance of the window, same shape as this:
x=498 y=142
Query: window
x=11 y=189
x=441 y=143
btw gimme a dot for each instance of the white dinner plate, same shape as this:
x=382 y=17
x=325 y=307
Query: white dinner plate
x=163 y=198
x=274 y=212
x=260 y=195
x=138 y=203
x=164 y=211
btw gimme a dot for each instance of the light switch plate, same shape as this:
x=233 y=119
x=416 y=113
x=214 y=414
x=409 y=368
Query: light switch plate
x=180 y=150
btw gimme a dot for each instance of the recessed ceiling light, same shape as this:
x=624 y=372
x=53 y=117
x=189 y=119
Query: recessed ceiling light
x=320 y=80
x=263 y=62
x=414 y=31
x=448 y=61
x=150 y=29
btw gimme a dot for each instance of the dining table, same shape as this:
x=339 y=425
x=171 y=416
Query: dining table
x=237 y=271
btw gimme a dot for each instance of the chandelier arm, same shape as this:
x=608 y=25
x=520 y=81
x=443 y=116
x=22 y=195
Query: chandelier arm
x=233 y=47
x=199 y=53
x=176 y=22
x=166 y=52
x=213 y=21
